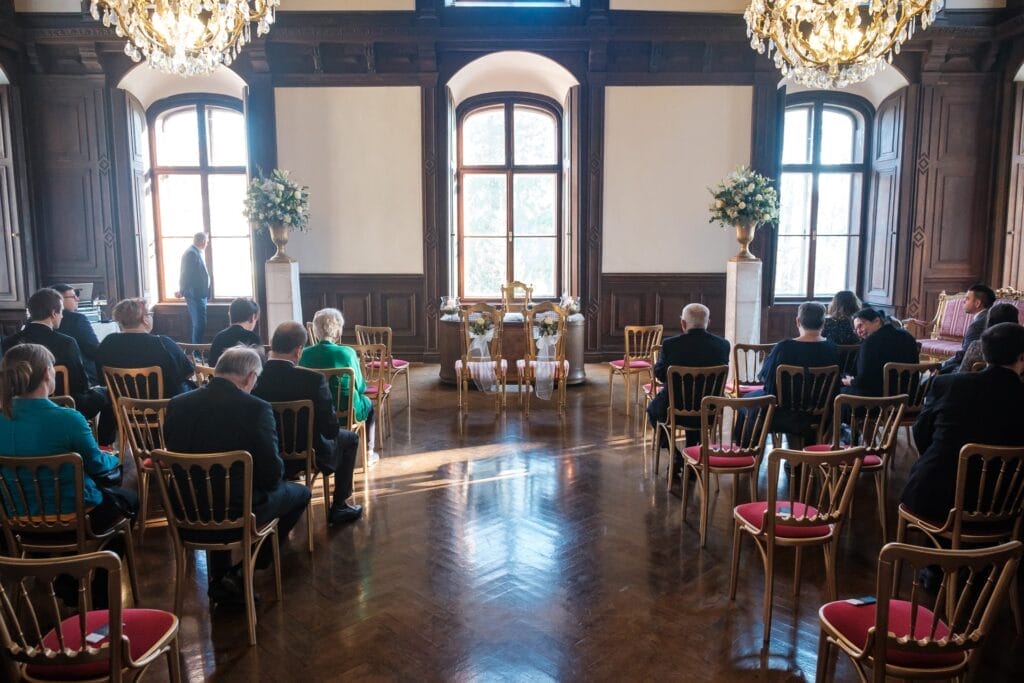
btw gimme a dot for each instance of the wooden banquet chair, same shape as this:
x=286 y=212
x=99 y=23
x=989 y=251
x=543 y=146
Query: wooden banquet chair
x=296 y=443
x=848 y=358
x=526 y=368
x=143 y=421
x=694 y=384
x=912 y=379
x=344 y=404
x=747 y=360
x=638 y=359
x=46 y=645
x=366 y=335
x=650 y=390
x=196 y=492
x=314 y=338
x=373 y=362
x=804 y=402
x=511 y=301
x=199 y=354
x=810 y=512
x=465 y=367
x=60 y=381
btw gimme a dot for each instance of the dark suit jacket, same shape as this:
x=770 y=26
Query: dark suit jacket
x=195 y=279
x=976 y=407
x=973 y=333
x=78 y=327
x=889 y=344
x=225 y=339
x=283 y=381
x=696 y=349
x=64 y=349
x=221 y=417
x=135 y=350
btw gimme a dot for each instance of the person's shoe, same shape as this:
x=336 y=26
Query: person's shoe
x=229 y=590
x=344 y=514
x=372 y=458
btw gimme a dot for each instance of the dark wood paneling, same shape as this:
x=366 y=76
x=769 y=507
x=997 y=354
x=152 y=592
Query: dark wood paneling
x=642 y=299
x=879 y=270
x=11 y=260
x=173 y=320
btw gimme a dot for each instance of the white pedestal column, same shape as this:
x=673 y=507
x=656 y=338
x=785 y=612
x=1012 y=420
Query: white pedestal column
x=743 y=302
x=283 y=301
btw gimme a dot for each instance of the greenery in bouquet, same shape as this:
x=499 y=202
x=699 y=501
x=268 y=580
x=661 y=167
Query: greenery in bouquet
x=571 y=304
x=745 y=196
x=547 y=327
x=478 y=327
x=277 y=199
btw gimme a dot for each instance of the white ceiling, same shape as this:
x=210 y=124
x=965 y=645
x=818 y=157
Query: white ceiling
x=726 y=6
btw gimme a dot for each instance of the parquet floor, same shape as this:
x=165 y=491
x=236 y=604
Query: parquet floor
x=525 y=550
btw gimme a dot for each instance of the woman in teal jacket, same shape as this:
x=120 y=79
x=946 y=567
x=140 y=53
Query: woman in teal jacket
x=328 y=323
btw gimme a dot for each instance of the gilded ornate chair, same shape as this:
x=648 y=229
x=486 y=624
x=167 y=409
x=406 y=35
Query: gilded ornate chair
x=296 y=443
x=482 y=326
x=747 y=360
x=557 y=366
x=511 y=301
x=394 y=366
x=638 y=359
x=809 y=512
x=143 y=421
x=684 y=406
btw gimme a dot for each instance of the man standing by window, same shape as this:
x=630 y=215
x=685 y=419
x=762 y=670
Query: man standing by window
x=194 y=285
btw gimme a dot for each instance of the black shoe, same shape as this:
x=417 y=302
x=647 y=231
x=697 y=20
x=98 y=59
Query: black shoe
x=229 y=590
x=344 y=514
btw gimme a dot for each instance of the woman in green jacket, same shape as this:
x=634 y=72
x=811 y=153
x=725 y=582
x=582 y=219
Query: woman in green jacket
x=328 y=323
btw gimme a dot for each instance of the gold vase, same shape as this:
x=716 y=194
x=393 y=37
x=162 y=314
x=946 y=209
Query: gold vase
x=745 y=235
x=279 y=234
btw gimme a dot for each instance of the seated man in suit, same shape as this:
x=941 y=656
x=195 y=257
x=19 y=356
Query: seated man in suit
x=884 y=342
x=977 y=303
x=974 y=407
x=223 y=416
x=695 y=347
x=78 y=327
x=283 y=380
x=46 y=309
x=243 y=313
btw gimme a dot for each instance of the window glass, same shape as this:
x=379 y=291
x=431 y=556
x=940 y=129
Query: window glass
x=232 y=266
x=227 y=194
x=484 y=266
x=177 y=138
x=225 y=137
x=534 y=199
x=536 y=136
x=181 y=205
x=485 y=204
x=797 y=140
x=171 y=249
x=838 y=137
x=483 y=138
x=535 y=261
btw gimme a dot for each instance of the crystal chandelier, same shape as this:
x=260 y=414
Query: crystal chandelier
x=833 y=43
x=186 y=37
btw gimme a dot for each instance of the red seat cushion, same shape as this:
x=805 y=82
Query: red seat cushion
x=693 y=453
x=853 y=621
x=633 y=363
x=869 y=459
x=372 y=390
x=144 y=628
x=940 y=347
x=395 y=363
x=744 y=388
x=753 y=513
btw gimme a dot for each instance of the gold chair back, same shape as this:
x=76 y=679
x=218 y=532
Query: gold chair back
x=314 y=338
x=747 y=360
x=134 y=382
x=143 y=420
x=807 y=390
x=531 y=329
x=24 y=483
x=60 y=381
x=735 y=427
x=510 y=299
x=911 y=379
x=823 y=481
x=687 y=388
x=640 y=343
x=373 y=362
x=206 y=492
x=366 y=334
x=296 y=443
x=848 y=358
x=340 y=380
x=492 y=316
x=63 y=401
x=199 y=354
x=989 y=489
x=873 y=422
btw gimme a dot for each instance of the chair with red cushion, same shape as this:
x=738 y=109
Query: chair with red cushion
x=810 y=512
x=394 y=367
x=490 y=371
x=733 y=432
x=988 y=507
x=747 y=360
x=650 y=390
x=296 y=442
x=912 y=379
x=921 y=639
x=75 y=649
x=202 y=514
x=374 y=364
x=804 y=402
x=638 y=360
x=684 y=409
x=143 y=421
x=874 y=424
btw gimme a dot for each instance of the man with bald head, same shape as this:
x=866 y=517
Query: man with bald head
x=282 y=380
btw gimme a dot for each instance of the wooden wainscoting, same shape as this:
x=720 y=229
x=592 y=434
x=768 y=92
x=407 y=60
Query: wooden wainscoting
x=398 y=301
x=172 y=319
x=642 y=299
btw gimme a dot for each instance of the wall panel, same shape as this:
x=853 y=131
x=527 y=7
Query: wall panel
x=11 y=264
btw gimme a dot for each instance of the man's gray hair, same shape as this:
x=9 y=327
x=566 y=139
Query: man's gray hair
x=695 y=316
x=329 y=324
x=239 y=361
x=200 y=237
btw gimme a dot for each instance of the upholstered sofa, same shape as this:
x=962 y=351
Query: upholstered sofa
x=944 y=335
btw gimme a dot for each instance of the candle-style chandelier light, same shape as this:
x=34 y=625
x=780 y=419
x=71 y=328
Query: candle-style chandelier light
x=186 y=37
x=833 y=43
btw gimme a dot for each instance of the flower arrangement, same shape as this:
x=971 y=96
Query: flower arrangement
x=571 y=304
x=745 y=196
x=277 y=200
x=478 y=327
x=449 y=305
x=547 y=327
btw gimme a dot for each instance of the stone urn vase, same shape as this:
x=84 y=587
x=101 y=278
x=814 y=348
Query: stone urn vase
x=745 y=235
x=279 y=233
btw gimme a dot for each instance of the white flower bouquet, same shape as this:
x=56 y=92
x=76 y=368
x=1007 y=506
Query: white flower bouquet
x=277 y=200
x=745 y=197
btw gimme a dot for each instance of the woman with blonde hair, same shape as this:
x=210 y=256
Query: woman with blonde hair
x=136 y=347
x=329 y=352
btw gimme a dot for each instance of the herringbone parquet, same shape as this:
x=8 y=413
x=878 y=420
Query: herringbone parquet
x=522 y=549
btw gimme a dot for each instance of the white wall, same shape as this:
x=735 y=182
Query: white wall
x=149 y=85
x=359 y=151
x=664 y=146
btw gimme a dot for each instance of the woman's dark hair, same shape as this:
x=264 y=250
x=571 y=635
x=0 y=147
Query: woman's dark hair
x=843 y=305
x=241 y=309
x=870 y=314
x=810 y=315
x=1001 y=344
x=21 y=370
x=1003 y=313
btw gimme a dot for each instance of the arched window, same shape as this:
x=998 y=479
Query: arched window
x=509 y=189
x=824 y=168
x=199 y=180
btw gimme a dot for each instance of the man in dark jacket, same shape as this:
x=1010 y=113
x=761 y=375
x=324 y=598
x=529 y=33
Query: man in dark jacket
x=194 y=285
x=695 y=347
x=884 y=342
x=973 y=407
x=243 y=314
x=223 y=416
x=78 y=327
x=283 y=380
x=977 y=302
x=45 y=309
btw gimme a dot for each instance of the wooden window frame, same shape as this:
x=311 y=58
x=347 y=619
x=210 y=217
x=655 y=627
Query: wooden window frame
x=509 y=100
x=200 y=102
